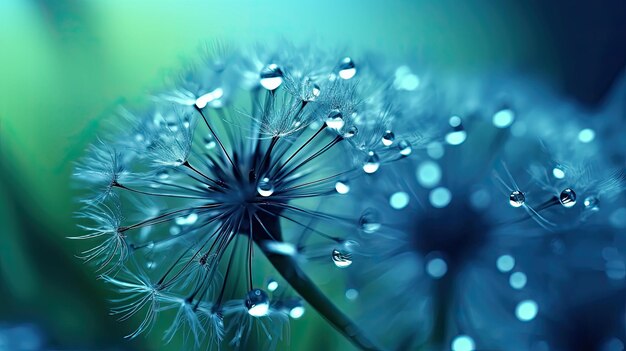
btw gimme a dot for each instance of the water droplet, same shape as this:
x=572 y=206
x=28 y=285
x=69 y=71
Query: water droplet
x=350 y=132
x=463 y=343
x=526 y=310
x=440 y=197
x=151 y=265
x=458 y=134
x=342 y=259
x=428 y=174
x=437 y=267
x=372 y=163
x=568 y=198
x=558 y=172
x=435 y=150
x=342 y=187
x=187 y=220
x=310 y=90
x=405 y=80
x=209 y=143
x=272 y=285
x=503 y=118
x=505 y=263
x=399 y=200
x=586 y=135
x=388 y=138
x=296 y=311
x=265 y=187
x=517 y=198
x=257 y=302
x=592 y=203
x=271 y=77
x=212 y=98
x=334 y=120
x=162 y=175
x=404 y=147
x=518 y=280
x=280 y=247
x=347 y=68
x=369 y=221
x=352 y=294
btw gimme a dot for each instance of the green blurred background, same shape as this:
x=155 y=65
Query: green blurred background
x=65 y=64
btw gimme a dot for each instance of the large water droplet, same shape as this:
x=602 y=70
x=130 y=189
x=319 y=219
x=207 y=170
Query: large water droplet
x=341 y=259
x=257 y=302
x=404 y=147
x=347 y=68
x=372 y=163
x=517 y=198
x=369 y=221
x=388 y=138
x=592 y=203
x=342 y=187
x=265 y=187
x=567 y=198
x=334 y=120
x=271 y=77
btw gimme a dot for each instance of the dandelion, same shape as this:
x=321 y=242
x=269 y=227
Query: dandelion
x=228 y=178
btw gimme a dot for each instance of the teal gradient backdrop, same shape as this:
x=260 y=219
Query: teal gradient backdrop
x=65 y=65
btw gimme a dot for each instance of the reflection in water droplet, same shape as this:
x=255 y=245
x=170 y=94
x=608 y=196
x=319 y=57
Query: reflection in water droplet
x=341 y=259
x=567 y=198
x=265 y=187
x=271 y=77
x=388 y=138
x=517 y=198
x=257 y=302
x=347 y=68
x=372 y=163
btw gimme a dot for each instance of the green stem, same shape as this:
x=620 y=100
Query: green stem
x=290 y=270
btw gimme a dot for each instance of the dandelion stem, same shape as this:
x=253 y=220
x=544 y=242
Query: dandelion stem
x=301 y=283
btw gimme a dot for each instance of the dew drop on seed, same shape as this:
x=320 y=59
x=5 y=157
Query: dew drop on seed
x=517 y=198
x=341 y=259
x=296 y=311
x=271 y=77
x=347 y=68
x=162 y=175
x=369 y=221
x=334 y=120
x=272 y=285
x=399 y=200
x=265 y=187
x=591 y=203
x=257 y=302
x=388 y=138
x=404 y=148
x=342 y=187
x=350 y=132
x=568 y=198
x=372 y=163
x=586 y=135
x=212 y=98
